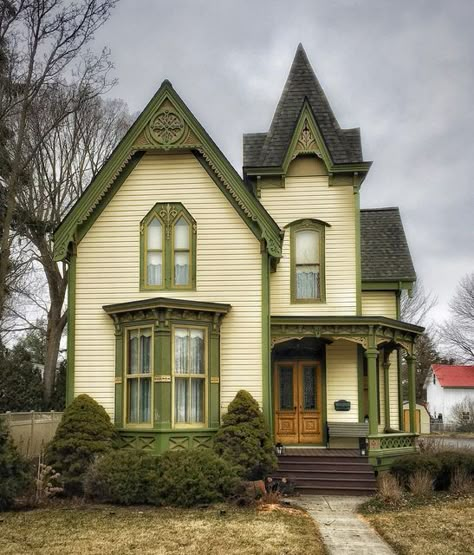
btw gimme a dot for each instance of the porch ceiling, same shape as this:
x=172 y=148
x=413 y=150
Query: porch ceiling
x=368 y=331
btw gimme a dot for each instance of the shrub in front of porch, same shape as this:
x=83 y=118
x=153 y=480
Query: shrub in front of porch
x=244 y=439
x=84 y=432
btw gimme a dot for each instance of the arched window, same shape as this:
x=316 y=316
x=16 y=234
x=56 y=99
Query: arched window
x=168 y=248
x=307 y=261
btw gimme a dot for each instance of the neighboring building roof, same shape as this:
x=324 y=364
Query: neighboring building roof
x=449 y=375
x=384 y=249
x=269 y=149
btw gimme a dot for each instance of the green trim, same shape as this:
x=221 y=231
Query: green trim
x=400 y=391
x=345 y=320
x=360 y=382
x=166 y=303
x=386 y=393
x=266 y=344
x=372 y=370
x=358 y=257
x=312 y=225
x=160 y=441
x=168 y=214
x=389 y=285
x=71 y=327
x=142 y=137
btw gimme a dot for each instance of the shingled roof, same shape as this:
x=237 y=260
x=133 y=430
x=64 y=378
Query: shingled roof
x=384 y=250
x=269 y=149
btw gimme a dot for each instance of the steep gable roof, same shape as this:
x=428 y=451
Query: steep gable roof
x=165 y=124
x=449 y=375
x=384 y=249
x=269 y=149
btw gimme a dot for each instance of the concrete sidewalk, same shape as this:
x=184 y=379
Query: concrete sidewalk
x=342 y=530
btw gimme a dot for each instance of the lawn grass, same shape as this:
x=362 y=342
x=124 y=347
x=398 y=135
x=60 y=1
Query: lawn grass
x=444 y=528
x=110 y=530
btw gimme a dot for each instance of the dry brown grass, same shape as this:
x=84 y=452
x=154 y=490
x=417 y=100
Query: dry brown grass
x=461 y=482
x=108 y=530
x=438 y=529
x=421 y=484
x=389 y=488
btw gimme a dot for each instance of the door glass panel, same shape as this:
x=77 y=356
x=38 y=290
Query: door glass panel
x=286 y=387
x=309 y=387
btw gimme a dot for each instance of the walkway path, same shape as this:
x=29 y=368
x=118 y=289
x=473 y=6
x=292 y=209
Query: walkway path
x=342 y=530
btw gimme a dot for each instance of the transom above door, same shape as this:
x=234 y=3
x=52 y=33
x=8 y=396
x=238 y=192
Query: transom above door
x=297 y=402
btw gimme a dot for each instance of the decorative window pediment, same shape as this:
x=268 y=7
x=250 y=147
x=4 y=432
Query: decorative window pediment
x=168 y=248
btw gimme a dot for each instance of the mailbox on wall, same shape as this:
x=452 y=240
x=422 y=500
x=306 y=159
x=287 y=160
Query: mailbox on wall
x=342 y=405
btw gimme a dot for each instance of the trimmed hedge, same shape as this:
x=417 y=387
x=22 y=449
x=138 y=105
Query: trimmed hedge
x=244 y=440
x=84 y=432
x=441 y=466
x=125 y=477
x=177 y=478
x=16 y=475
x=194 y=477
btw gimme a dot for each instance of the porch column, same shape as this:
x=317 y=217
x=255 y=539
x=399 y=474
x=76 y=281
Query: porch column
x=411 y=366
x=371 y=355
x=386 y=389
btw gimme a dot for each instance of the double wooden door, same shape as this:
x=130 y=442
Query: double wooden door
x=297 y=402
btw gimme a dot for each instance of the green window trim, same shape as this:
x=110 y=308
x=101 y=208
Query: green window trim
x=168 y=215
x=319 y=227
x=163 y=316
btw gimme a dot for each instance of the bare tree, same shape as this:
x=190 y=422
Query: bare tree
x=415 y=309
x=458 y=332
x=61 y=169
x=42 y=50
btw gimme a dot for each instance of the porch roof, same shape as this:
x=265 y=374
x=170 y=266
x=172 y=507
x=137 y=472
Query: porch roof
x=369 y=331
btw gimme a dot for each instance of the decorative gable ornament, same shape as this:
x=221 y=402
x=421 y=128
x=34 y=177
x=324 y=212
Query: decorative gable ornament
x=306 y=142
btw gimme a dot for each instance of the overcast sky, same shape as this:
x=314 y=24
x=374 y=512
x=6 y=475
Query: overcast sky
x=401 y=71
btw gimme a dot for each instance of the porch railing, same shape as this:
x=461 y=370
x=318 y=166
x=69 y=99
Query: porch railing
x=388 y=443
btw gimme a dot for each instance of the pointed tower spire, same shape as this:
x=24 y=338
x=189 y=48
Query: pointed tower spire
x=269 y=149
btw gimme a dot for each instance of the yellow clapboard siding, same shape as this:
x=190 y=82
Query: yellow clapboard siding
x=341 y=380
x=311 y=197
x=379 y=303
x=108 y=272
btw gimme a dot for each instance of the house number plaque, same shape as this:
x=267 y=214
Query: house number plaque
x=342 y=405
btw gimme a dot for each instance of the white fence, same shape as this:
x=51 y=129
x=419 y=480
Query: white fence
x=31 y=431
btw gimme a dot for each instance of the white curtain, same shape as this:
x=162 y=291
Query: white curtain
x=180 y=399
x=197 y=401
x=307 y=282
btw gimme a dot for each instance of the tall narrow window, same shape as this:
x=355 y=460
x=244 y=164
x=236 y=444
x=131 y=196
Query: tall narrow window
x=154 y=263
x=138 y=375
x=181 y=251
x=307 y=255
x=189 y=376
x=168 y=248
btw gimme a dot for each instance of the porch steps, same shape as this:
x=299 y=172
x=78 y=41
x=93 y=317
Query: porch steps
x=328 y=474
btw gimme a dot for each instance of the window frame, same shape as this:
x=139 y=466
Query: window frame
x=188 y=425
x=168 y=214
x=308 y=225
x=127 y=376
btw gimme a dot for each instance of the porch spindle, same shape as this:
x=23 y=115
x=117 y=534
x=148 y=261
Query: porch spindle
x=411 y=364
x=371 y=355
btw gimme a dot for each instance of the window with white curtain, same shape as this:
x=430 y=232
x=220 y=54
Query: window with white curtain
x=307 y=264
x=181 y=252
x=189 y=375
x=307 y=260
x=138 y=375
x=168 y=240
x=154 y=262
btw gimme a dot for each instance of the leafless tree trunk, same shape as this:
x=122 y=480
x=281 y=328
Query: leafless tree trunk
x=458 y=332
x=42 y=44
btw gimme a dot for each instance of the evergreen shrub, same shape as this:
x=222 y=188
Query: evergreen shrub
x=193 y=477
x=85 y=431
x=244 y=440
x=125 y=477
x=16 y=475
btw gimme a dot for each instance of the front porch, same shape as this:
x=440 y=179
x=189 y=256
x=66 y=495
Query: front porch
x=343 y=372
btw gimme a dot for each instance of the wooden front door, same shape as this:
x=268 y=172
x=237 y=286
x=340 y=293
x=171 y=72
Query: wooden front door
x=297 y=402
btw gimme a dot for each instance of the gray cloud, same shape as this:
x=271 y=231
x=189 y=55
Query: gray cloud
x=402 y=71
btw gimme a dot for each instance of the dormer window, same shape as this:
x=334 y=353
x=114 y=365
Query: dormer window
x=307 y=261
x=168 y=248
